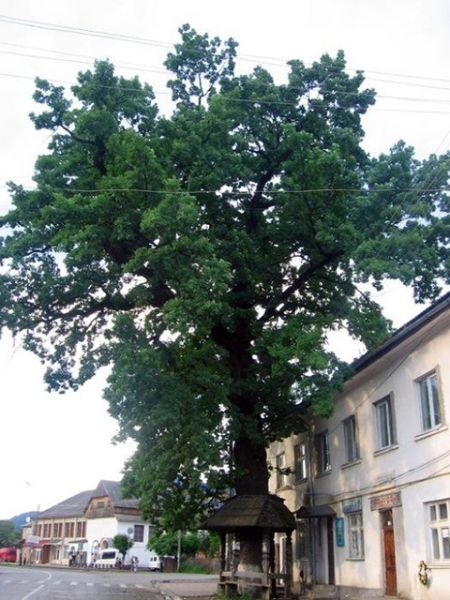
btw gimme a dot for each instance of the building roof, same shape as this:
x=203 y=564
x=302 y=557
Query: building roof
x=403 y=333
x=72 y=507
x=261 y=511
x=75 y=506
x=113 y=490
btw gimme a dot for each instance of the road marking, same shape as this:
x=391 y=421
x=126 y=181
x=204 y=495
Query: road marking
x=7 y=581
x=89 y=584
x=123 y=585
x=141 y=587
x=107 y=584
x=49 y=576
x=56 y=583
x=73 y=583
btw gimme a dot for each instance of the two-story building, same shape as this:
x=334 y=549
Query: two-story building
x=75 y=530
x=370 y=486
x=108 y=514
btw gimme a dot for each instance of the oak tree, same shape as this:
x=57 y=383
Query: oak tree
x=206 y=254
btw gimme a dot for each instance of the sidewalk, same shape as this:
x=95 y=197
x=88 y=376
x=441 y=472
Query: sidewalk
x=203 y=587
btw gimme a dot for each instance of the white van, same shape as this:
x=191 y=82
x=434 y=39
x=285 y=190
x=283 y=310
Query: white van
x=108 y=558
x=154 y=562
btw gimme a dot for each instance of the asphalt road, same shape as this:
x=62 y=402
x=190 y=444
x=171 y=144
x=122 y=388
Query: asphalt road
x=23 y=583
x=41 y=583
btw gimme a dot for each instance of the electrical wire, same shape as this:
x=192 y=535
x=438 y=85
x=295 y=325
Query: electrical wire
x=168 y=45
x=233 y=193
x=255 y=101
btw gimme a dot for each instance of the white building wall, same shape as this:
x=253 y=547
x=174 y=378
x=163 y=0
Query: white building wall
x=139 y=549
x=98 y=530
x=417 y=466
x=106 y=528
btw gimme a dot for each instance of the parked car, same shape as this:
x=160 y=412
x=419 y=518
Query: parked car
x=154 y=562
x=108 y=558
x=8 y=554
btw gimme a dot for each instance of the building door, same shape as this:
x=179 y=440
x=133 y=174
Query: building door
x=389 y=553
x=330 y=544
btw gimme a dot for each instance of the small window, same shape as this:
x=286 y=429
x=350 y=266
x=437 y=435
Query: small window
x=323 y=452
x=351 y=439
x=439 y=527
x=281 y=470
x=429 y=402
x=138 y=533
x=386 y=435
x=355 y=535
x=301 y=472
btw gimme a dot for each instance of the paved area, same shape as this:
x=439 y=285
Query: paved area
x=194 y=587
x=48 y=583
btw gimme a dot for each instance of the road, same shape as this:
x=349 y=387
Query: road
x=40 y=583
x=21 y=583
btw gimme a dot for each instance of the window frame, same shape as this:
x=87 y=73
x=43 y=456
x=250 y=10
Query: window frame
x=300 y=462
x=351 y=439
x=281 y=475
x=141 y=529
x=323 y=456
x=439 y=550
x=391 y=431
x=430 y=400
x=358 y=529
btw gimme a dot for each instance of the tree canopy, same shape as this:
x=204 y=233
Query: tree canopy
x=205 y=255
x=122 y=543
x=9 y=536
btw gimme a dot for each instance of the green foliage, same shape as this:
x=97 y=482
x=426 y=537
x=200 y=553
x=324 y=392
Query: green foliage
x=206 y=255
x=166 y=543
x=196 y=569
x=122 y=542
x=8 y=534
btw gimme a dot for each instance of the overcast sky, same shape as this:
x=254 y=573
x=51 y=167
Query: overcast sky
x=54 y=446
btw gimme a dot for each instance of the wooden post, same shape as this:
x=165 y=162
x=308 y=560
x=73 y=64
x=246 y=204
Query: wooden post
x=223 y=551
x=273 y=582
x=266 y=556
x=288 y=581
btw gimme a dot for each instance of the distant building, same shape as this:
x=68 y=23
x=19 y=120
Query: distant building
x=75 y=530
x=370 y=486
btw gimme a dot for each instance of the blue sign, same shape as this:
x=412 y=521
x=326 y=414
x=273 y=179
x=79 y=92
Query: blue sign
x=340 y=536
x=353 y=505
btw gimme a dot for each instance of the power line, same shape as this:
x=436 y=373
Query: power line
x=168 y=45
x=150 y=69
x=118 y=63
x=234 y=193
x=258 y=100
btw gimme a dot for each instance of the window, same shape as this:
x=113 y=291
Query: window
x=351 y=439
x=429 y=402
x=439 y=523
x=355 y=535
x=81 y=529
x=281 y=470
x=69 y=529
x=385 y=423
x=323 y=452
x=301 y=472
x=138 y=533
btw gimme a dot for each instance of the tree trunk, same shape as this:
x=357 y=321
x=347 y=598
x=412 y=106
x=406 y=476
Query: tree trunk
x=251 y=479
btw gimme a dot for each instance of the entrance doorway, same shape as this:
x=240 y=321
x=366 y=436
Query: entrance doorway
x=389 y=552
x=330 y=548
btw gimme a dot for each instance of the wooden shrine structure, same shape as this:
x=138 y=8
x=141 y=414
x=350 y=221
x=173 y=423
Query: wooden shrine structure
x=264 y=514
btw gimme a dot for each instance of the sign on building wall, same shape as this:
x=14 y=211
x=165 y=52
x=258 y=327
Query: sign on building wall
x=340 y=532
x=353 y=505
x=386 y=501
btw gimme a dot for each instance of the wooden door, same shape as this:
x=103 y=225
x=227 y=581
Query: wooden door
x=389 y=553
x=330 y=543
